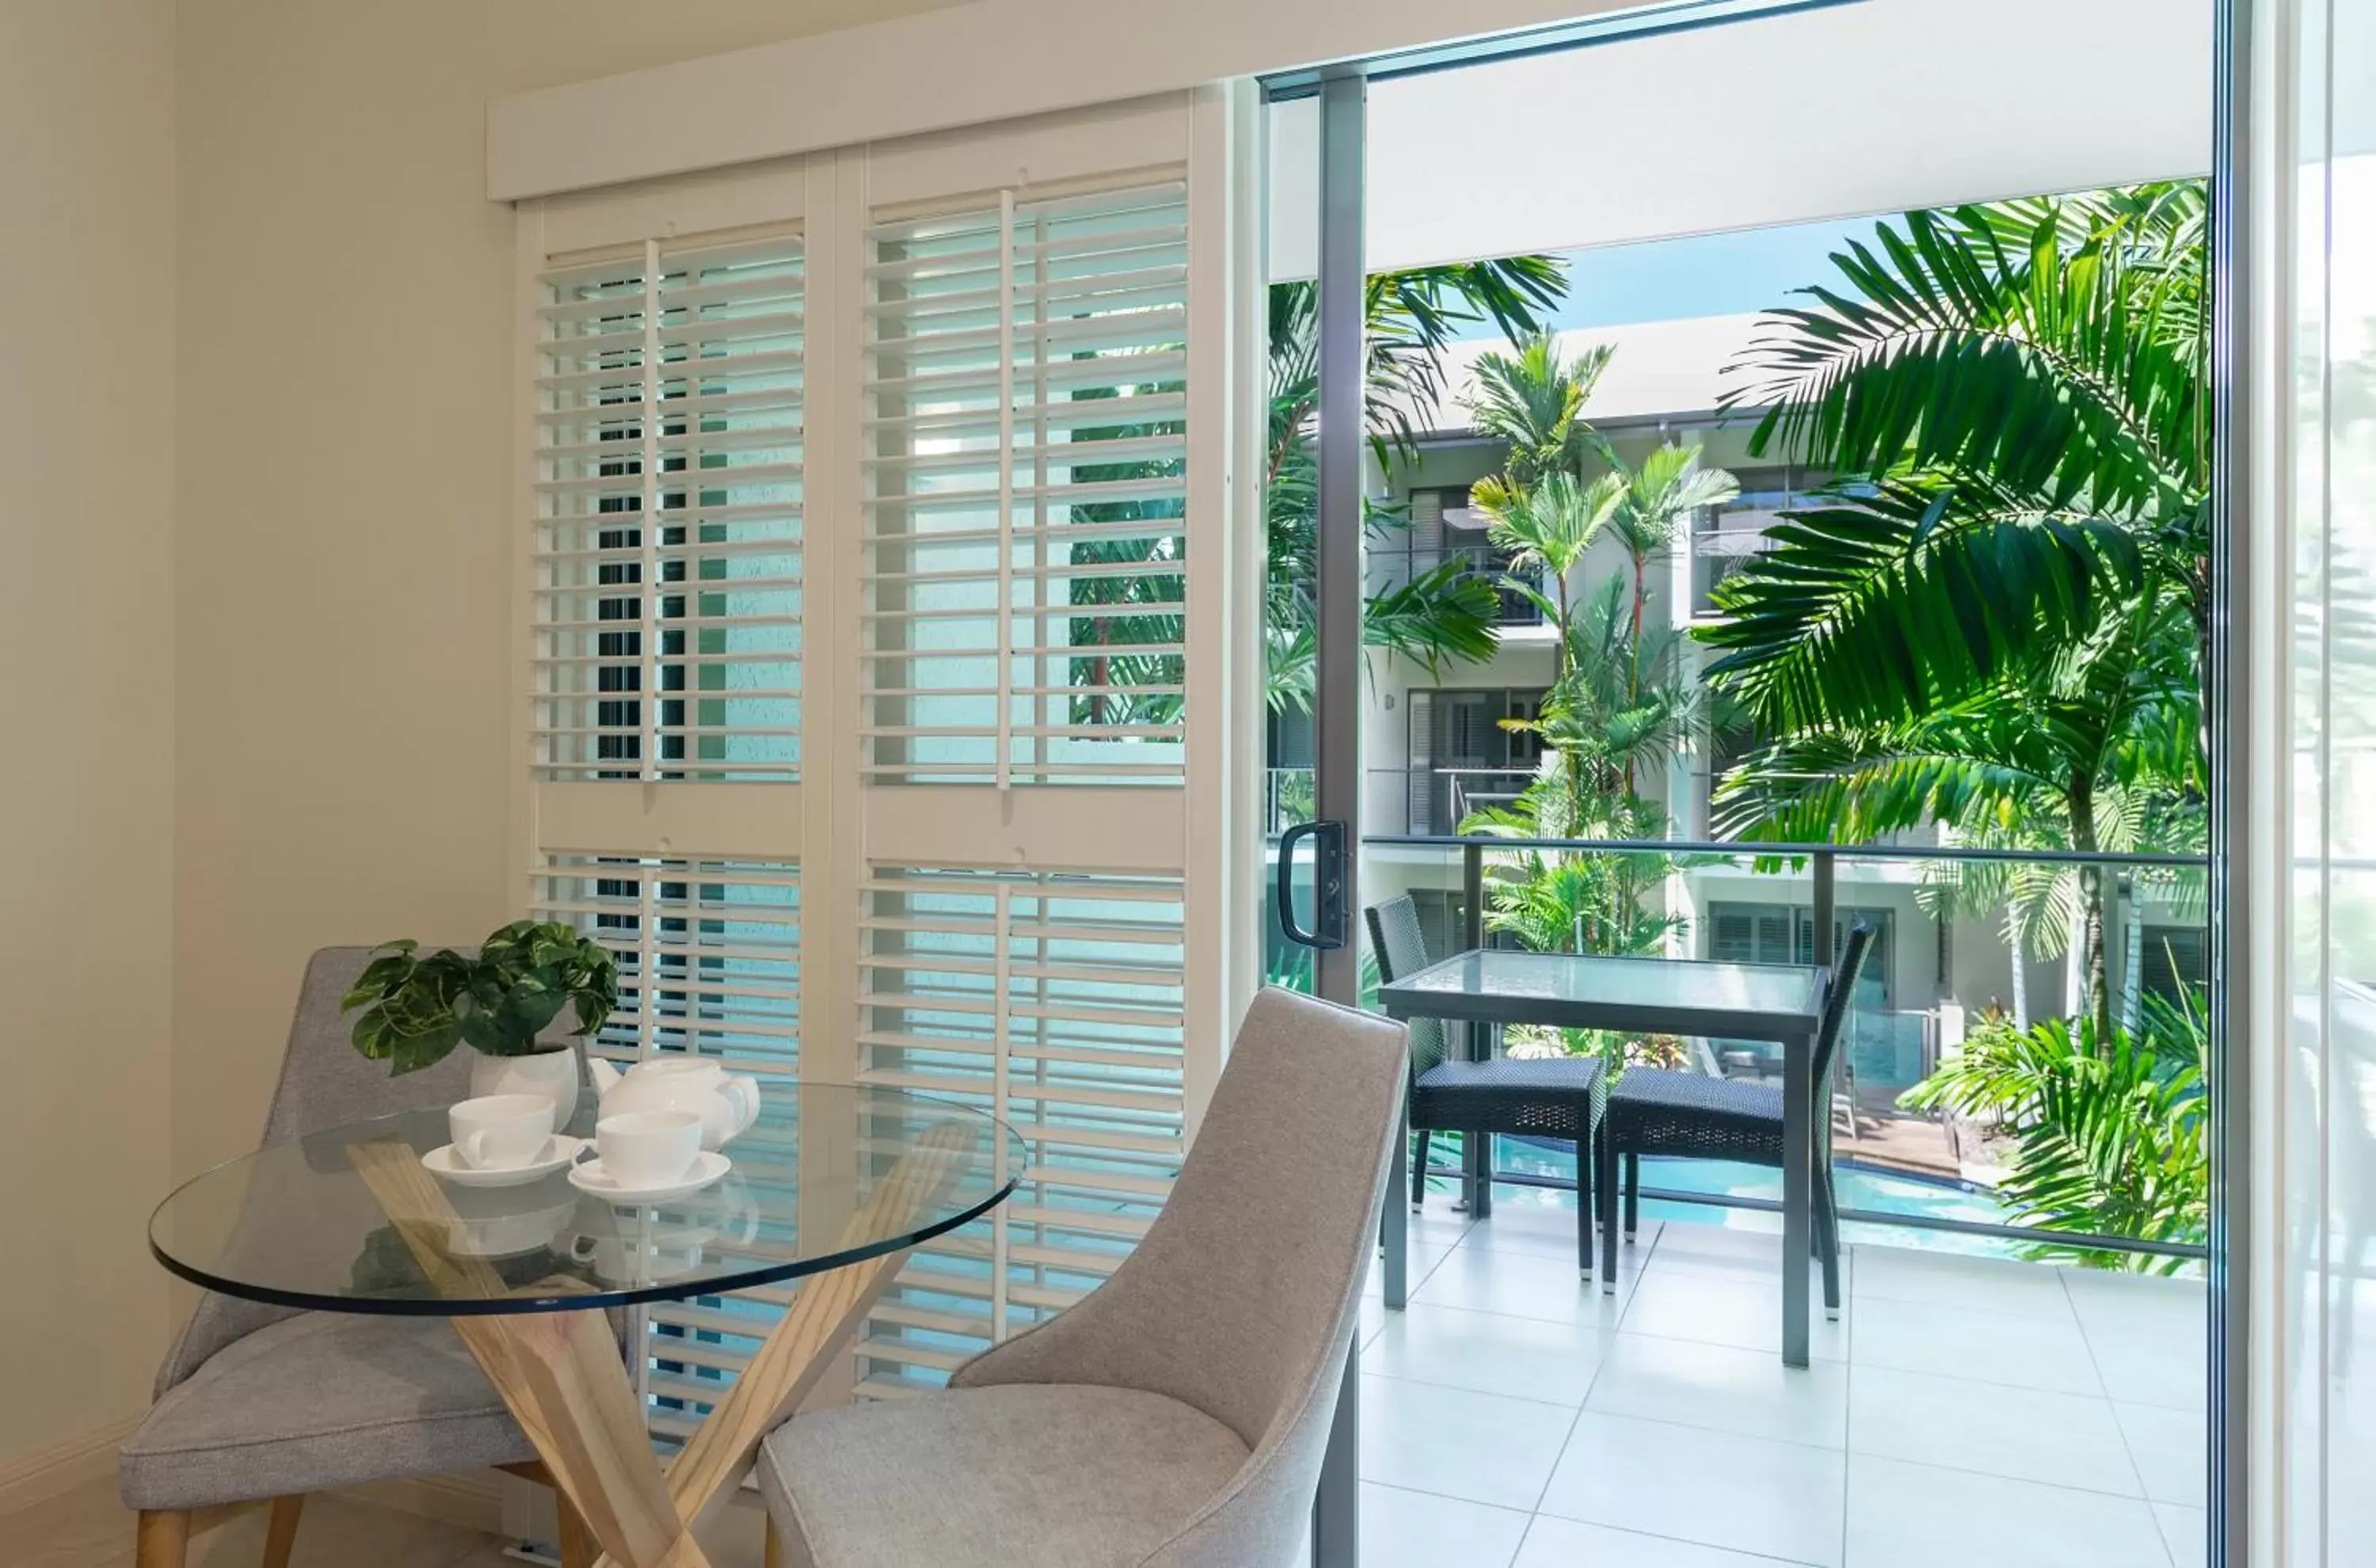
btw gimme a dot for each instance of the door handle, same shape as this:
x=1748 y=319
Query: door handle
x=1327 y=838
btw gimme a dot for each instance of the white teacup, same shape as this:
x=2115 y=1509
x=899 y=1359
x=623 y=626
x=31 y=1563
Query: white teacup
x=648 y=1149
x=500 y=1132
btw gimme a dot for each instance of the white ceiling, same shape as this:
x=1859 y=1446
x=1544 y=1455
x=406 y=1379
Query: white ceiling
x=1828 y=113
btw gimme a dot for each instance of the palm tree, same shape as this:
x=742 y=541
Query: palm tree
x=1531 y=399
x=1440 y=616
x=1997 y=616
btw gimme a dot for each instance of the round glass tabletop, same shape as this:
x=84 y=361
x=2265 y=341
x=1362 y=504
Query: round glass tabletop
x=371 y=1217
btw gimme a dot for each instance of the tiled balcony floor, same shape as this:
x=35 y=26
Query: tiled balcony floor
x=1963 y=1411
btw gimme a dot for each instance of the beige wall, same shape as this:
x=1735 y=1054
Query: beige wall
x=86 y=636
x=345 y=453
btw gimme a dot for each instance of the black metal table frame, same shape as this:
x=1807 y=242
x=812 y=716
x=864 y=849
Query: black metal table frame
x=1795 y=1033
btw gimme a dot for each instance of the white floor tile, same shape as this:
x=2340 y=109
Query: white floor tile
x=1482 y=1447
x=1374 y=1318
x=1946 y=1279
x=1523 y=1286
x=1539 y=1230
x=2151 y=1366
x=2061 y=1439
x=1747 y=1391
x=1908 y=1516
x=1564 y=1543
x=1417 y=1529
x=1716 y=1308
x=2186 y=1532
x=1490 y=1352
x=2147 y=1335
x=1714 y=1489
x=2008 y=1348
x=1419 y=1264
x=2172 y=1451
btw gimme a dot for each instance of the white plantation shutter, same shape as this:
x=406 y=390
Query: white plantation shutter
x=1055 y=1000
x=875 y=547
x=1025 y=495
x=668 y=551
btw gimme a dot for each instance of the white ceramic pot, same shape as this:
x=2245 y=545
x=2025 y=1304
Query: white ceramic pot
x=551 y=1074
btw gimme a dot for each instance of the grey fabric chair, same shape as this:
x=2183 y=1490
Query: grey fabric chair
x=1175 y=1418
x=257 y=1401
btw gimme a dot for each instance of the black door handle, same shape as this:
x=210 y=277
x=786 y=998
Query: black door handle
x=1328 y=884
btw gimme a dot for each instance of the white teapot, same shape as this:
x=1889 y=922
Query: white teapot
x=726 y=1106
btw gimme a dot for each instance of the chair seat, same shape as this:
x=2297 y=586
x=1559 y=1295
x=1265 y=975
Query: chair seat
x=1032 y=1475
x=317 y=1401
x=1653 y=1110
x=1550 y=1096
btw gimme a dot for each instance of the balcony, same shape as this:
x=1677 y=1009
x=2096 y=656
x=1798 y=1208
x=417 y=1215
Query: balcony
x=1964 y=1411
x=1392 y=566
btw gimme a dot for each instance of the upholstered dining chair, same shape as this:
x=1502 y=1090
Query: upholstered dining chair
x=257 y=1402
x=1175 y=1418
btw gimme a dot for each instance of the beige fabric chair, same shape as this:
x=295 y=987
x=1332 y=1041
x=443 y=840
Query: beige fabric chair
x=257 y=1402
x=1175 y=1418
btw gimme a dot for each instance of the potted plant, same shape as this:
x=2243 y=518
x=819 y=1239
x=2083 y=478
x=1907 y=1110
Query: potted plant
x=412 y=1011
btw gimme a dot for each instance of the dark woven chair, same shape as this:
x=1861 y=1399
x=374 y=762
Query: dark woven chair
x=1696 y=1116
x=1560 y=1097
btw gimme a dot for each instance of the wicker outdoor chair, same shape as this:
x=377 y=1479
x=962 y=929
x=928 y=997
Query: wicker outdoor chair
x=1558 y=1097
x=1696 y=1116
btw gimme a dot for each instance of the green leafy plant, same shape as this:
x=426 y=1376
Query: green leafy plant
x=1441 y=617
x=2107 y=1125
x=1995 y=620
x=414 y=1011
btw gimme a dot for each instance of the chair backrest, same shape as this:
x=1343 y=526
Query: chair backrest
x=1838 y=997
x=1401 y=950
x=1241 y=1298
x=324 y=1083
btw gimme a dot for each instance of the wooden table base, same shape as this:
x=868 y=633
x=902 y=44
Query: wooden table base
x=561 y=1374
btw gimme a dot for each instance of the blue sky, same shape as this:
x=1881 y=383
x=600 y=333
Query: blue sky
x=1704 y=274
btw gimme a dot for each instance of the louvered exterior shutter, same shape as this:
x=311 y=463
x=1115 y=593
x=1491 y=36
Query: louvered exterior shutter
x=877 y=557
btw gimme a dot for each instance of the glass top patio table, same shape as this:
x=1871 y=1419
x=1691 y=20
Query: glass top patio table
x=352 y=1220
x=1702 y=997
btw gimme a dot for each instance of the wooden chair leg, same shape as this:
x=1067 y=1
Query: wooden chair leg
x=280 y=1533
x=163 y=1539
x=775 y=1555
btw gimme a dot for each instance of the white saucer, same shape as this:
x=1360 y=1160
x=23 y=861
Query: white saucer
x=708 y=1167
x=560 y=1150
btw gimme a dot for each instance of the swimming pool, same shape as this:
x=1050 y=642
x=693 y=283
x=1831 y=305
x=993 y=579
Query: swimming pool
x=1882 y=1191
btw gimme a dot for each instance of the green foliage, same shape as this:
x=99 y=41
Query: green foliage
x=2109 y=1125
x=415 y=1010
x=1531 y=399
x=1439 y=617
x=1996 y=619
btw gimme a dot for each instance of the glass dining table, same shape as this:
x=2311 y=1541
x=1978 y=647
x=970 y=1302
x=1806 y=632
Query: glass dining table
x=832 y=1186
x=1695 y=998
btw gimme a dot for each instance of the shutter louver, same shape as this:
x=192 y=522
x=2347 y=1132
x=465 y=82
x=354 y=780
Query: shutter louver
x=668 y=551
x=1054 y=1002
x=1025 y=492
x=708 y=955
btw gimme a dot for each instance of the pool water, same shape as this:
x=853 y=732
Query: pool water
x=1885 y=1191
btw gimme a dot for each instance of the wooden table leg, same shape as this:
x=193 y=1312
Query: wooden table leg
x=561 y=1375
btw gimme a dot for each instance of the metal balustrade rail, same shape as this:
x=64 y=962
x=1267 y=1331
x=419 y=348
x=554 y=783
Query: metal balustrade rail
x=1822 y=860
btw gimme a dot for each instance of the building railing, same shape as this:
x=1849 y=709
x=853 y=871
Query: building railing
x=1392 y=565
x=1894 y=1040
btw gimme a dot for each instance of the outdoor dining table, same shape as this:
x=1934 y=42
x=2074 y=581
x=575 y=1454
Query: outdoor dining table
x=1696 y=998
x=833 y=1187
